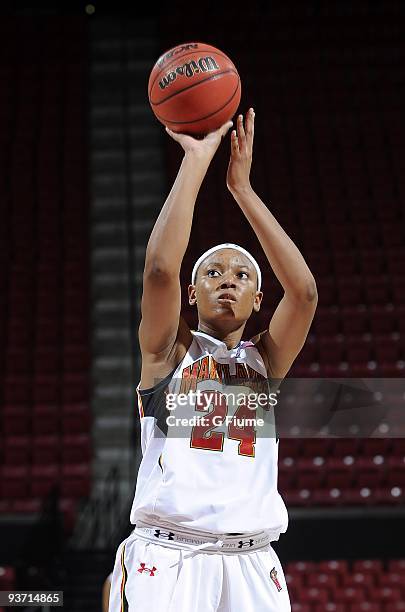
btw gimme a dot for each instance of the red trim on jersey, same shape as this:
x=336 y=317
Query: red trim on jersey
x=124 y=602
x=140 y=405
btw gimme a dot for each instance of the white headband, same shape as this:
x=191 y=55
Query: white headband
x=227 y=245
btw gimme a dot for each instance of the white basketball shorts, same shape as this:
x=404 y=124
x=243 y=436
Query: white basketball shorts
x=170 y=577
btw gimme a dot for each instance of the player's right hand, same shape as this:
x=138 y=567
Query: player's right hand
x=207 y=146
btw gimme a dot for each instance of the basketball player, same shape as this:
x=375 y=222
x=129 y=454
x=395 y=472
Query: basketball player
x=206 y=506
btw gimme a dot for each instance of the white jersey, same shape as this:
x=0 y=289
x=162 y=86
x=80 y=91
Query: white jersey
x=217 y=474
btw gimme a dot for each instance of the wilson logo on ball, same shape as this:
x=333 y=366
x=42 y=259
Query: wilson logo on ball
x=194 y=88
x=189 y=69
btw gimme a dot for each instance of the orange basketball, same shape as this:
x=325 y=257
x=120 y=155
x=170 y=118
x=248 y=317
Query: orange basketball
x=194 y=88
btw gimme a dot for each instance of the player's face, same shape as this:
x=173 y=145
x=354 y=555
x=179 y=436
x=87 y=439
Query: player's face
x=226 y=287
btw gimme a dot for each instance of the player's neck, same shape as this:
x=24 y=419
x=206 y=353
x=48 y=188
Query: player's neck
x=231 y=337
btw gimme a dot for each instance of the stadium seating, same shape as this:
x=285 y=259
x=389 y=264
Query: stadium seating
x=44 y=273
x=348 y=471
x=368 y=585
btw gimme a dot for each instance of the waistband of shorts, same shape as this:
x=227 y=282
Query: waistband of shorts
x=195 y=541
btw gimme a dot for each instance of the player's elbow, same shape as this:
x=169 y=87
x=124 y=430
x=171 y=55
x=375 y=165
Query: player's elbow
x=311 y=292
x=159 y=271
x=306 y=293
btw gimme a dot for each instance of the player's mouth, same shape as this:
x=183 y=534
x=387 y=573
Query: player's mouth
x=226 y=298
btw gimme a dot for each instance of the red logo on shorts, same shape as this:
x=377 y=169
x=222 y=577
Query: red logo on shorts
x=142 y=568
x=273 y=576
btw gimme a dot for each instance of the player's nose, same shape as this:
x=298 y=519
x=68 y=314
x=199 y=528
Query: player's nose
x=227 y=282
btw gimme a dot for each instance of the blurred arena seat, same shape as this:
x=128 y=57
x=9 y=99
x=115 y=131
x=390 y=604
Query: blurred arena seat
x=368 y=585
x=351 y=471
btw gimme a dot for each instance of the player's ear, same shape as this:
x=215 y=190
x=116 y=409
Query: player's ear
x=257 y=301
x=192 y=298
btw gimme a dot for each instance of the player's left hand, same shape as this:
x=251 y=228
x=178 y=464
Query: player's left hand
x=240 y=162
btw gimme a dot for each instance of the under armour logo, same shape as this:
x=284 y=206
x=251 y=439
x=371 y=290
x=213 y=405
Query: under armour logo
x=247 y=543
x=273 y=576
x=163 y=534
x=151 y=571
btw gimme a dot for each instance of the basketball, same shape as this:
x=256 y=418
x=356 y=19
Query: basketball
x=194 y=88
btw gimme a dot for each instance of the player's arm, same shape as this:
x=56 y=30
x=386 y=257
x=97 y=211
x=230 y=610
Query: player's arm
x=106 y=593
x=289 y=326
x=161 y=298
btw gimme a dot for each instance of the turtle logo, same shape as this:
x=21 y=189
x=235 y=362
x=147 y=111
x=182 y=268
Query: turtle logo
x=273 y=576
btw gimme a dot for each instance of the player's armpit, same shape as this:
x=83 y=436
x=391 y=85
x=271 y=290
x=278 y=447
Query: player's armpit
x=287 y=332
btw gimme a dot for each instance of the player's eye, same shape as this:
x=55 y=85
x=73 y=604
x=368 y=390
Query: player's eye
x=246 y=274
x=211 y=275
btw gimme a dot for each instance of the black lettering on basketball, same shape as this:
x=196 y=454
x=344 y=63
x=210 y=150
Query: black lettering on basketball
x=207 y=64
x=189 y=69
x=176 y=51
x=166 y=80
